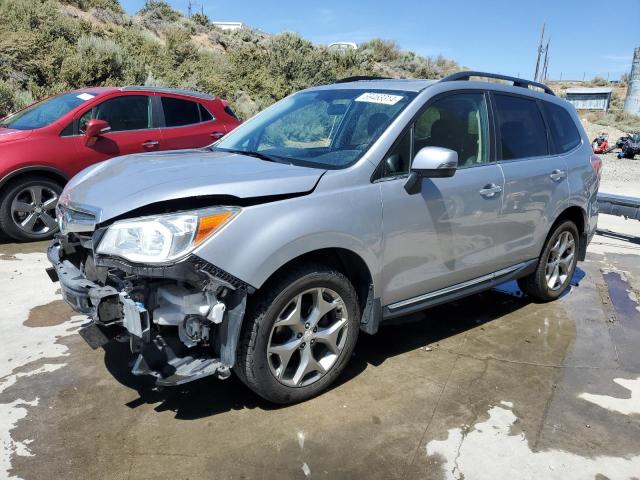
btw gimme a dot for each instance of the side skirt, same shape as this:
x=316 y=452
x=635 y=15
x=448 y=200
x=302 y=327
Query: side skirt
x=459 y=290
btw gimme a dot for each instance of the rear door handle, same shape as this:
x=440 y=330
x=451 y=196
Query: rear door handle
x=150 y=144
x=490 y=190
x=557 y=175
x=217 y=135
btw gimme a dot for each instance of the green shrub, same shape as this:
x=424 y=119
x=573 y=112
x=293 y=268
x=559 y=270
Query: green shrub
x=99 y=61
x=619 y=119
x=13 y=98
x=598 y=82
x=159 y=10
x=200 y=19
x=382 y=50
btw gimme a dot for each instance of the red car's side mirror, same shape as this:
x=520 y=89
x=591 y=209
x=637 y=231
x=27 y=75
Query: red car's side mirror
x=94 y=129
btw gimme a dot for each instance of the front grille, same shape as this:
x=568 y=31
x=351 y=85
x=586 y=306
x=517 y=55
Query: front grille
x=74 y=220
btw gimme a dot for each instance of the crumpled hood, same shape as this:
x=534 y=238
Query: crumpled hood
x=11 y=134
x=122 y=184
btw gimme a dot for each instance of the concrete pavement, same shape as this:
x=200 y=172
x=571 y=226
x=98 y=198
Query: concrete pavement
x=491 y=386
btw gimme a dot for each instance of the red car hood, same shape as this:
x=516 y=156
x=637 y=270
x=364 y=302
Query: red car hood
x=10 y=134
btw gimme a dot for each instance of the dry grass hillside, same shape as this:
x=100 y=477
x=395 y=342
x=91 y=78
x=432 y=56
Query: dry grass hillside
x=49 y=46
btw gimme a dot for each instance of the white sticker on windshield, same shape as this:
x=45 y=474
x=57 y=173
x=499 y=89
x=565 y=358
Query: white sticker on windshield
x=85 y=96
x=384 y=98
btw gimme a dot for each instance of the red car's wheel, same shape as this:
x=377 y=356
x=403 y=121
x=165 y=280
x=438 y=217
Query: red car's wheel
x=27 y=209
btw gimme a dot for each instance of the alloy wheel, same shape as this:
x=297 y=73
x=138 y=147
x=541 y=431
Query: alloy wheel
x=307 y=337
x=33 y=210
x=560 y=260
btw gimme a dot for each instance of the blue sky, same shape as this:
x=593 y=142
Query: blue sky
x=493 y=35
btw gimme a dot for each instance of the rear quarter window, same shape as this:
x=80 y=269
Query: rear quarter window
x=522 y=129
x=563 y=130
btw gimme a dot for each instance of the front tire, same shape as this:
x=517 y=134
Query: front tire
x=299 y=333
x=27 y=209
x=556 y=265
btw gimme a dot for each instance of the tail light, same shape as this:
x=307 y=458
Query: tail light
x=596 y=163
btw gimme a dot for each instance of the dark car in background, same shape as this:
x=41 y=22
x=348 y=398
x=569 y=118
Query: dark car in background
x=44 y=145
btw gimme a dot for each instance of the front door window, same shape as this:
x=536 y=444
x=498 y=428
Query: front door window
x=130 y=112
x=458 y=122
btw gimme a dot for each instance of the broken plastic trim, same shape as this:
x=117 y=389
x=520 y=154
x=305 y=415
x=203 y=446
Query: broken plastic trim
x=192 y=269
x=115 y=314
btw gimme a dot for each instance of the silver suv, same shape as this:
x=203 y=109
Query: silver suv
x=336 y=209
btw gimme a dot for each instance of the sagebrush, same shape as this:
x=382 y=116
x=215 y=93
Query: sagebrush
x=49 y=46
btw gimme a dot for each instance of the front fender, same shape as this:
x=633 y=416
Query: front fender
x=265 y=237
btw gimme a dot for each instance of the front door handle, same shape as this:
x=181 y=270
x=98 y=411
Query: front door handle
x=490 y=190
x=150 y=144
x=217 y=135
x=557 y=175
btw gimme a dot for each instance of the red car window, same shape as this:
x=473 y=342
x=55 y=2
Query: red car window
x=178 y=112
x=130 y=112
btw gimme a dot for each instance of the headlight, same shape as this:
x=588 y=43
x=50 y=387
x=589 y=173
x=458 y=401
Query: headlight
x=163 y=238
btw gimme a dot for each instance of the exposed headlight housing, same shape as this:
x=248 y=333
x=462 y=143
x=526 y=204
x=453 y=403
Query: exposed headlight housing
x=163 y=238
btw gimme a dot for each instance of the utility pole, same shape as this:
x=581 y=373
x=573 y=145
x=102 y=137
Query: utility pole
x=545 y=65
x=540 y=50
x=192 y=4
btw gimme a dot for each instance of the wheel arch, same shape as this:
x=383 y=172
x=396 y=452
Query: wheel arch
x=33 y=171
x=354 y=267
x=578 y=216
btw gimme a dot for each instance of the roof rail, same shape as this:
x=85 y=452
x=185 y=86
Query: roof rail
x=360 y=77
x=517 y=82
x=178 y=91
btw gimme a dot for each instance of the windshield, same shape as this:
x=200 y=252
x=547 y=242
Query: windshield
x=326 y=128
x=46 y=112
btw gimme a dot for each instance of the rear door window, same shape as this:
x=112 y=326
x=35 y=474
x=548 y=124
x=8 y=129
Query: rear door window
x=178 y=112
x=564 y=132
x=521 y=127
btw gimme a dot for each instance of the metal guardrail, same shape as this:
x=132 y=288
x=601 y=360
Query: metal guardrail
x=619 y=205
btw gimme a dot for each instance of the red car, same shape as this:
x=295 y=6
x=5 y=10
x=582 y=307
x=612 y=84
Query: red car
x=44 y=145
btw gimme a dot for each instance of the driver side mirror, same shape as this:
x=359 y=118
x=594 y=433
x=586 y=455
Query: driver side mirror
x=431 y=162
x=94 y=129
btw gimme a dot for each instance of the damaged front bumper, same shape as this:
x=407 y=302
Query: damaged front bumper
x=182 y=321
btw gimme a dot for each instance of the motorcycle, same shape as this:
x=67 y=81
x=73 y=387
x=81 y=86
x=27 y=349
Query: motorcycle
x=629 y=145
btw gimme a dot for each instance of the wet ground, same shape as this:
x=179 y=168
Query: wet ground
x=490 y=387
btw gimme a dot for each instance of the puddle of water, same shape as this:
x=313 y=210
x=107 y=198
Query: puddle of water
x=49 y=315
x=490 y=450
x=626 y=406
x=624 y=303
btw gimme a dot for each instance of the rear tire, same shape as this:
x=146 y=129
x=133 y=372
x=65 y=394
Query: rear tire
x=556 y=265
x=27 y=209
x=299 y=333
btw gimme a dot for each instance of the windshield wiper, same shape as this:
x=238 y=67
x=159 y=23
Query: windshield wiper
x=249 y=153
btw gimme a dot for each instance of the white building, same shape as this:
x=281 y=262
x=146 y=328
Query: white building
x=590 y=98
x=228 y=25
